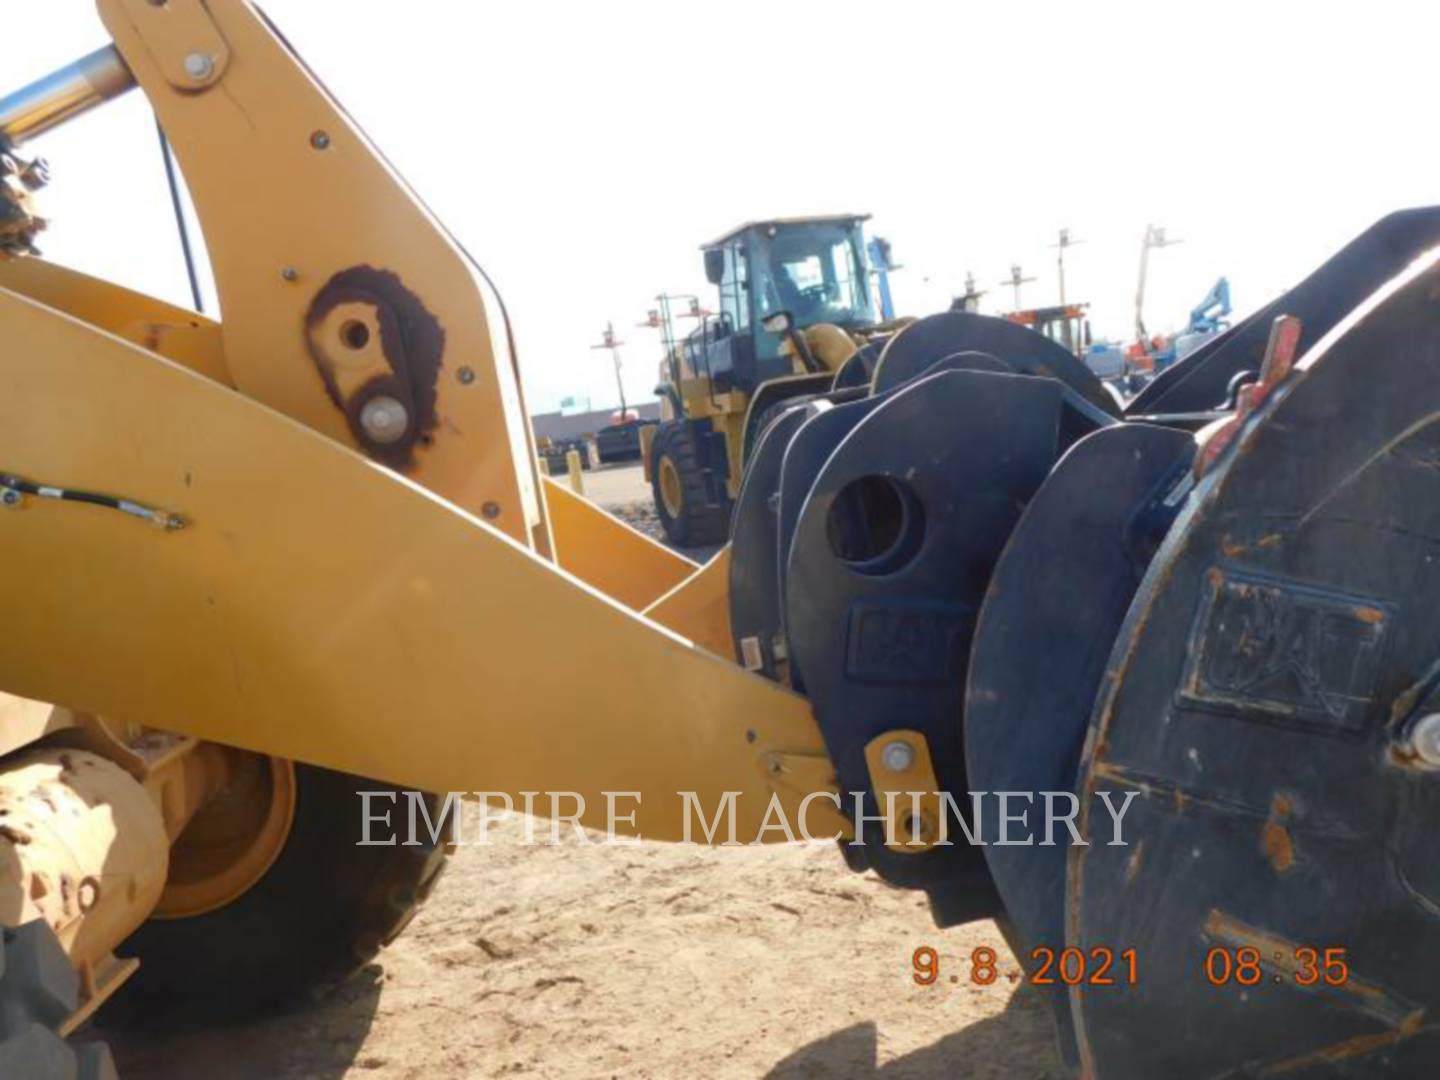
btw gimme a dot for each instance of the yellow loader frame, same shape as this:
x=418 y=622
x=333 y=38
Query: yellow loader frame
x=449 y=622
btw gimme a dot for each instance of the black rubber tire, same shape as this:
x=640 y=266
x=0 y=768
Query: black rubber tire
x=700 y=521
x=39 y=988
x=323 y=910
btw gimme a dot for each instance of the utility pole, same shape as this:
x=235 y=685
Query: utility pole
x=1065 y=242
x=663 y=318
x=1015 y=281
x=658 y=318
x=971 y=300
x=1154 y=238
x=608 y=342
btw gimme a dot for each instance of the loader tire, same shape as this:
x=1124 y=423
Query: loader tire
x=39 y=989
x=322 y=911
x=684 y=506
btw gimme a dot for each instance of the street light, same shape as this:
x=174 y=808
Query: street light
x=1065 y=242
x=1154 y=238
x=608 y=341
x=1015 y=281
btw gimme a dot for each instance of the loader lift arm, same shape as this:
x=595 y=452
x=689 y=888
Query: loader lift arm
x=350 y=310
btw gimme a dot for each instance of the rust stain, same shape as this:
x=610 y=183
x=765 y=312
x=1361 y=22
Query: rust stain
x=1369 y=615
x=1279 y=848
x=1275 y=838
x=1355 y=1047
x=1132 y=865
x=413 y=344
x=1105 y=771
x=1117 y=774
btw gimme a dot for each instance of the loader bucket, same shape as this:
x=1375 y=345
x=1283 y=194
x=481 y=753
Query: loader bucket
x=1218 y=618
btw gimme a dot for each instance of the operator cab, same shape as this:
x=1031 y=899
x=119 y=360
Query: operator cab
x=813 y=268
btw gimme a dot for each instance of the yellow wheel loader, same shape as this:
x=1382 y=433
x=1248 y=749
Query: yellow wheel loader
x=1156 y=688
x=795 y=307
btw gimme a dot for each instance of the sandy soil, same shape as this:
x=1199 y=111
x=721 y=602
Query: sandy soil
x=589 y=960
x=646 y=960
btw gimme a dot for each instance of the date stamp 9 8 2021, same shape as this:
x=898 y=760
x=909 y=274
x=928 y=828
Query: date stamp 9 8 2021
x=1099 y=966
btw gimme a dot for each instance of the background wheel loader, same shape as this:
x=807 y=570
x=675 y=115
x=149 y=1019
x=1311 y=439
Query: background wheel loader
x=795 y=305
x=252 y=561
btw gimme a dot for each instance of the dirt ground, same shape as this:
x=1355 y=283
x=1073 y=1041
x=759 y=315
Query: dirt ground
x=575 y=961
x=578 y=961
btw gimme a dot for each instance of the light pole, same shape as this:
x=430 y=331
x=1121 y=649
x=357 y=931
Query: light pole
x=663 y=318
x=971 y=300
x=1154 y=238
x=1015 y=281
x=1064 y=242
x=608 y=342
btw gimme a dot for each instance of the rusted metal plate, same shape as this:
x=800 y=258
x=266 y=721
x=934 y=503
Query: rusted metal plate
x=1255 y=705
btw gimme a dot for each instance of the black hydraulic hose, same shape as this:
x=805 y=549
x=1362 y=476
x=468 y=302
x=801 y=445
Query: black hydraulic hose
x=179 y=206
x=12 y=488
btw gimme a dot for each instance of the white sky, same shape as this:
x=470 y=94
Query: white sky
x=583 y=151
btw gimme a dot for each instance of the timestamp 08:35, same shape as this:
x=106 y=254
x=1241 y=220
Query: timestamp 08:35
x=1099 y=966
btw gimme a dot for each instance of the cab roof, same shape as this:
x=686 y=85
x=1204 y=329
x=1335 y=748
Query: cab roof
x=818 y=219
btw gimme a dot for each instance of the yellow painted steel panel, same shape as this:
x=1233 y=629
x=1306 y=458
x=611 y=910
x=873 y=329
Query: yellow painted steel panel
x=699 y=607
x=292 y=196
x=319 y=607
x=603 y=551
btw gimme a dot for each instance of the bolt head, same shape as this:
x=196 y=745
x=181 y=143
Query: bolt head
x=384 y=420
x=1425 y=740
x=320 y=140
x=897 y=756
x=490 y=511
x=199 y=66
x=290 y=274
x=466 y=375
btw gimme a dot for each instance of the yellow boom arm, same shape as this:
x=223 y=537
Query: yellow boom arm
x=406 y=622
